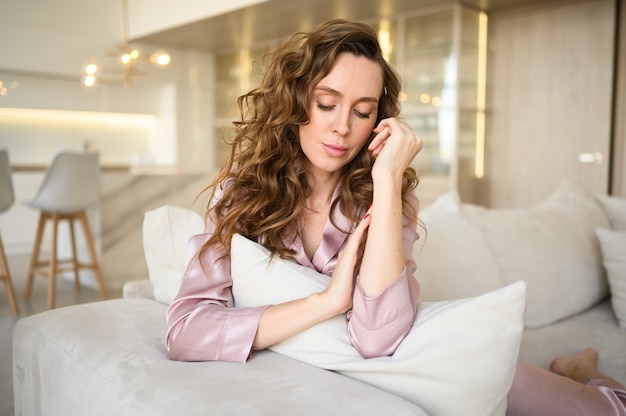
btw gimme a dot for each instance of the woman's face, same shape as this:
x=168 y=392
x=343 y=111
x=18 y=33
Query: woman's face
x=342 y=114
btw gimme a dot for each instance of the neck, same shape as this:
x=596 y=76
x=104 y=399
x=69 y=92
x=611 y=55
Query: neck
x=322 y=189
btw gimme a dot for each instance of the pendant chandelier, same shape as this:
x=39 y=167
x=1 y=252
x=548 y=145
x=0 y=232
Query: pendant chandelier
x=128 y=61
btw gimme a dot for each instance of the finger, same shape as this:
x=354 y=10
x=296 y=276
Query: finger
x=361 y=229
x=391 y=124
x=358 y=234
x=382 y=134
x=376 y=151
x=385 y=130
x=384 y=123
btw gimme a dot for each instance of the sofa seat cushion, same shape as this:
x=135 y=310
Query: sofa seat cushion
x=109 y=358
x=595 y=328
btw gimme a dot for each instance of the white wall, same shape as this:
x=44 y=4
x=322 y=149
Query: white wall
x=175 y=129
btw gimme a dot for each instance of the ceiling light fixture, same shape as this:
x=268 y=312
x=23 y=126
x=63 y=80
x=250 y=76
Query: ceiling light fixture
x=128 y=60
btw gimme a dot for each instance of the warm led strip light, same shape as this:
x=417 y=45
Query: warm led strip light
x=45 y=115
x=479 y=163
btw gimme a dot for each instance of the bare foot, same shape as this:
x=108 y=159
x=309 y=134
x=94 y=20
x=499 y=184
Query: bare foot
x=579 y=367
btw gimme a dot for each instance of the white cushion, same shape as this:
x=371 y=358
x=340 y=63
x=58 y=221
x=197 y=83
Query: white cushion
x=613 y=245
x=552 y=246
x=615 y=209
x=453 y=258
x=166 y=233
x=459 y=358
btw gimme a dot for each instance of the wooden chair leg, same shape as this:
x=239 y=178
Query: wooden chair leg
x=71 y=219
x=92 y=252
x=6 y=276
x=53 y=261
x=34 y=261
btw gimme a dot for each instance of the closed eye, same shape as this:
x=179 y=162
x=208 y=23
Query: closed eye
x=362 y=115
x=330 y=107
x=325 y=107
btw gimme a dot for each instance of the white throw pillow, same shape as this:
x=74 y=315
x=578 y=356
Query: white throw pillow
x=552 y=246
x=166 y=233
x=459 y=358
x=613 y=245
x=615 y=209
x=453 y=258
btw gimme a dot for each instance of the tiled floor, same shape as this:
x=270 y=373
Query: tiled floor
x=65 y=296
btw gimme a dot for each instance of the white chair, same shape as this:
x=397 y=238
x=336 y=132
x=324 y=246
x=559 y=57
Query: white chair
x=7 y=197
x=70 y=186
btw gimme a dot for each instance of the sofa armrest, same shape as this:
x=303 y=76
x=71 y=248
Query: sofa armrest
x=138 y=289
x=109 y=358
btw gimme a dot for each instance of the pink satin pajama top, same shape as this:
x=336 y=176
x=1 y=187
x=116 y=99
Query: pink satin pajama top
x=202 y=326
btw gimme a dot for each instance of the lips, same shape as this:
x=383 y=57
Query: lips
x=335 y=150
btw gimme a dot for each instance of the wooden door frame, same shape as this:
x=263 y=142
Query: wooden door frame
x=618 y=145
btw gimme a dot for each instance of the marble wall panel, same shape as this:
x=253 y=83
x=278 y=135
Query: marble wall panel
x=125 y=199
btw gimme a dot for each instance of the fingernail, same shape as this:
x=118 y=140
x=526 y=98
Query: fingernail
x=366 y=216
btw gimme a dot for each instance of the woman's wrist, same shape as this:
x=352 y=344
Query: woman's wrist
x=327 y=305
x=388 y=180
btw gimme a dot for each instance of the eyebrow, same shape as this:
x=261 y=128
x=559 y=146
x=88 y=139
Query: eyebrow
x=333 y=91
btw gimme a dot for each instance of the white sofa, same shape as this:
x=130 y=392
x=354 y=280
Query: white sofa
x=109 y=357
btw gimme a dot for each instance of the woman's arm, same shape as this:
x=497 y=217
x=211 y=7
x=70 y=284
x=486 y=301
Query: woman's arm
x=394 y=146
x=385 y=299
x=377 y=325
x=202 y=328
x=283 y=321
x=200 y=325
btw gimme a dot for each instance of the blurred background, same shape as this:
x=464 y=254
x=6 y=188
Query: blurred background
x=510 y=96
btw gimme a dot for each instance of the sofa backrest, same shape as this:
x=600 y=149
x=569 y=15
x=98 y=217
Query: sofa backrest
x=466 y=251
x=552 y=246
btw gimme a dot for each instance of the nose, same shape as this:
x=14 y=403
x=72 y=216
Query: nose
x=341 y=125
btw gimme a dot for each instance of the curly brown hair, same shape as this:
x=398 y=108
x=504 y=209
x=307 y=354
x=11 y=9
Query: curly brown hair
x=264 y=179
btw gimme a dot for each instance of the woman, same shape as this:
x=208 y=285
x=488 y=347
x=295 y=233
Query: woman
x=318 y=173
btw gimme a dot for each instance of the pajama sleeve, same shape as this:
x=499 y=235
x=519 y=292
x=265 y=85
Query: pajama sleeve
x=201 y=325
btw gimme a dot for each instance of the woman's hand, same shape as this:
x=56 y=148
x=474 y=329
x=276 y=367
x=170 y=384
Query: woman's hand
x=339 y=291
x=395 y=146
